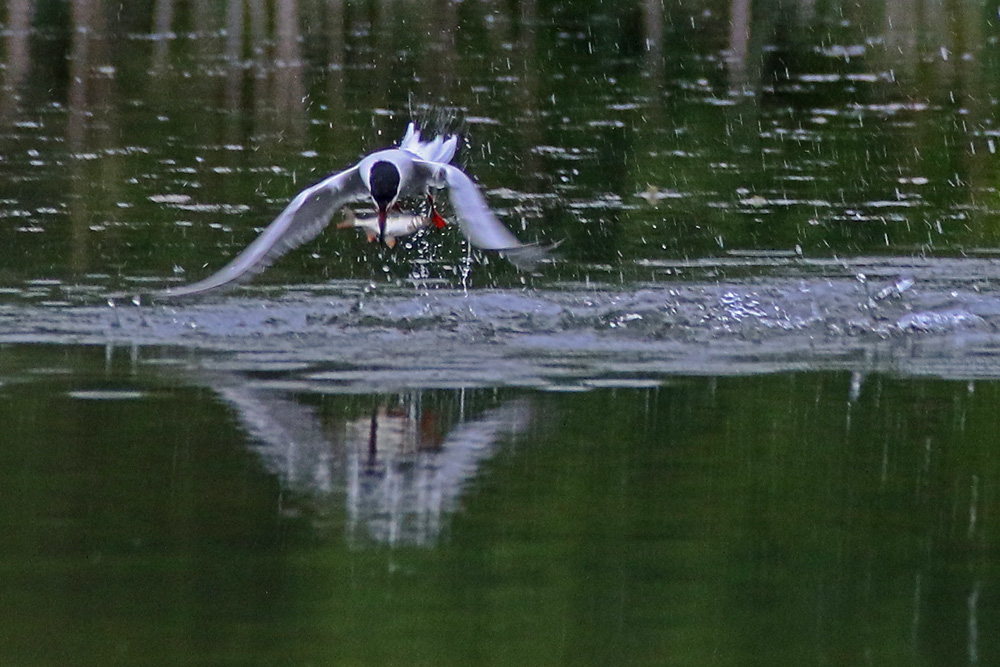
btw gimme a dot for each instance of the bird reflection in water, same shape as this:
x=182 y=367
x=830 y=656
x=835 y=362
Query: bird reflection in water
x=406 y=469
x=401 y=469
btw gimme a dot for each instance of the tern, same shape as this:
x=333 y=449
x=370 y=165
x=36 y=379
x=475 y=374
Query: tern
x=413 y=169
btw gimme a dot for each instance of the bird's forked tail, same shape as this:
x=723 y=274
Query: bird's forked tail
x=439 y=149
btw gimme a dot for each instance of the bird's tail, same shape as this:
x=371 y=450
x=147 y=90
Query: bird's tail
x=439 y=149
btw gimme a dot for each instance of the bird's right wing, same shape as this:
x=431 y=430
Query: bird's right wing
x=301 y=221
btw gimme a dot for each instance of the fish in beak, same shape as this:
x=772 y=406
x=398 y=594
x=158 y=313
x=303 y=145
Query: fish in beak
x=388 y=227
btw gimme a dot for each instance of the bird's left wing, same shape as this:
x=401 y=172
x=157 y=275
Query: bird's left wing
x=301 y=221
x=479 y=224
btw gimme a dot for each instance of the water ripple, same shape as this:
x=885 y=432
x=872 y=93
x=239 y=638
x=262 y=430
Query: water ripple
x=346 y=336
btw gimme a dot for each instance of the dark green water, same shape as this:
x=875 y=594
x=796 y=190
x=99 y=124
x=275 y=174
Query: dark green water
x=766 y=519
x=748 y=416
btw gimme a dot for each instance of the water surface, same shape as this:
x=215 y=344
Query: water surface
x=747 y=417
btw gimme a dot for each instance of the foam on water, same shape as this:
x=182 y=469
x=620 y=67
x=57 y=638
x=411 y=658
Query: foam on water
x=901 y=315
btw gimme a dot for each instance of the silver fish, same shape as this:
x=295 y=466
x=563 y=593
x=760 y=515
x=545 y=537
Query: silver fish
x=396 y=225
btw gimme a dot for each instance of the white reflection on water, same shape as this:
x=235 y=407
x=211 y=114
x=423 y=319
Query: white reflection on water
x=399 y=471
x=107 y=395
x=402 y=481
x=974 y=622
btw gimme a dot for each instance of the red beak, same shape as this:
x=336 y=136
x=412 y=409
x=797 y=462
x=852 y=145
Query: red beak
x=382 y=213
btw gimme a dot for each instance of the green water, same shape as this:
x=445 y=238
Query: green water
x=747 y=417
x=706 y=521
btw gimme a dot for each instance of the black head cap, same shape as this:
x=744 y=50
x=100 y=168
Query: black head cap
x=384 y=182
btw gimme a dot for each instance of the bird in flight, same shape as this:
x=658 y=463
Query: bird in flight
x=414 y=169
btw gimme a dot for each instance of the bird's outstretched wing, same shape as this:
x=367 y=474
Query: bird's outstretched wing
x=301 y=221
x=476 y=220
x=482 y=227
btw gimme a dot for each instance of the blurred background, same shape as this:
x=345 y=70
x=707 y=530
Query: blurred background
x=142 y=138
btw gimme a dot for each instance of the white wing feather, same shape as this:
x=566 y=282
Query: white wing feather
x=301 y=221
x=475 y=218
x=481 y=226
